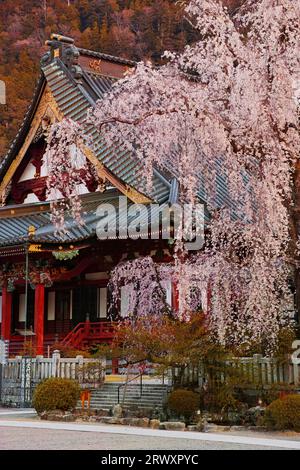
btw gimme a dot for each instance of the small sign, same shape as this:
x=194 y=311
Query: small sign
x=3 y=352
x=26 y=385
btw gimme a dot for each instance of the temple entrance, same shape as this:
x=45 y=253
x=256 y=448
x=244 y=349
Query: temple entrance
x=63 y=311
x=85 y=304
x=19 y=311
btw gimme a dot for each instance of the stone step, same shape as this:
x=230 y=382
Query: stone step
x=146 y=387
x=125 y=406
x=131 y=401
x=96 y=402
x=150 y=395
x=140 y=403
x=153 y=396
x=136 y=400
x=135 y=387
x=130 y=397
x=145 y=384
x=127 y=403
x=149 y=402
x=136 y=394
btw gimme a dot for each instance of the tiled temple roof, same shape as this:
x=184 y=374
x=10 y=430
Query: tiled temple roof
x=15 y=227
x=78 y=78
x=76 y=88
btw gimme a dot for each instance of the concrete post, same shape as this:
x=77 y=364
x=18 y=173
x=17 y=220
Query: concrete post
x=55 y=363
x=80 y=368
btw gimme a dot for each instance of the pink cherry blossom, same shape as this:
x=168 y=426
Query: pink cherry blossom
x=226 y=107
x=65 y=159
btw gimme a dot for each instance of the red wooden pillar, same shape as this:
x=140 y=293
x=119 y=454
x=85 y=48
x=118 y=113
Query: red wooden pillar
x=6 y=313
x=115 y=366
x=39 y=309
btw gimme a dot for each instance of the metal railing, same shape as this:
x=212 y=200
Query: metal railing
x=128 y=383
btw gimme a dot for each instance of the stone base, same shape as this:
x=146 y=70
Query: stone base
x=196 y=427
x=216 y=428
x=154 y=423
x=108 y=420
x=57 y=415
x=172 y=426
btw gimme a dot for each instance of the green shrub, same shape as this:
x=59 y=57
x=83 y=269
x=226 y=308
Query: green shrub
x=284 y=413
x=184 y=402
x=56 y=394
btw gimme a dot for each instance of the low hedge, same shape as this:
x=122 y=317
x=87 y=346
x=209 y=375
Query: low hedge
x=56 y=394
x=284 y=413
x=184 y=402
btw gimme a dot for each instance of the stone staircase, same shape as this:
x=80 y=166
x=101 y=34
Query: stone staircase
x=153 y=396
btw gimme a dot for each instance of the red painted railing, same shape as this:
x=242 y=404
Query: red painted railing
x=88 y=332
x=82 y=335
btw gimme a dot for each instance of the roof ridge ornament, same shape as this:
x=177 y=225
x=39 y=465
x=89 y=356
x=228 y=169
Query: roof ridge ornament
x=63 y=48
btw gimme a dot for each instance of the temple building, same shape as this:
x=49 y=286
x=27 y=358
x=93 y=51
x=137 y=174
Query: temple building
x=55 y=288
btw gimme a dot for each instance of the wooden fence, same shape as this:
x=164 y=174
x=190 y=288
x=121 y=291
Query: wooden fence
x=21 y=374
x=88 y=372
x=248 y=371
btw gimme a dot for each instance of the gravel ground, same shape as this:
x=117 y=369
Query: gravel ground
x=48 y=439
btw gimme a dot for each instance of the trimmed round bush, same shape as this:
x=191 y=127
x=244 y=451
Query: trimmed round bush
x=184 y=402
x=56 y=394
x=284 y=413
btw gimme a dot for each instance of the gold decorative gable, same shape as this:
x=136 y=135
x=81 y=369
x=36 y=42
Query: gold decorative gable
x=46 y=114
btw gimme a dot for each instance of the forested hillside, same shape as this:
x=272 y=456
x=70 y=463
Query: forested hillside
x=134 y=29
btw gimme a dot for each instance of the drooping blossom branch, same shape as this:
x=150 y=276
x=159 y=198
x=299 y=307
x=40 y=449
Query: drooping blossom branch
x=146 y=293
x=224 y=117
x=135 y=122
x=66 y=165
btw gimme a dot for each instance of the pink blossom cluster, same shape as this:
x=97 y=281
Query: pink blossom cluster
x=66 y=165
x=146 y=293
